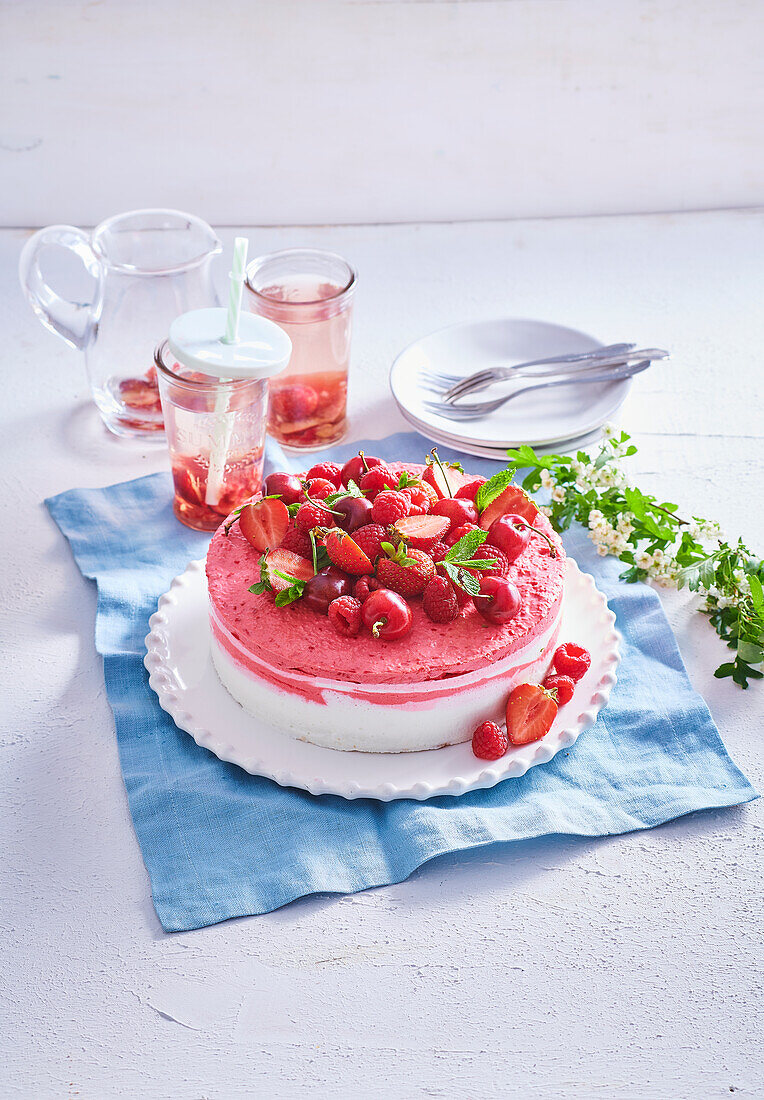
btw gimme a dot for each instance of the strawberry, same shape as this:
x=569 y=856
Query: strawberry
x=445 y=479
x=298 y=542
x=293 y=403
x=264 y=523
x=329 y=471
x=313 y=515
x=513 y=499
x=137 y=393
x=345 y=552
x=405 y=571
x=439 y=600
x=489 y=552
x=420 y=532
x=370 y=538
x=389 y=506
x=345 y=616
x=562 y=686
x=571 y=660
x=292 y=566
x=489 y=741
x=530 y=713
x=377 y=479
x=469 y=491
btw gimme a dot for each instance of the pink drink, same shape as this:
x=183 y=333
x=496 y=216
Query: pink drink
x=309 y=295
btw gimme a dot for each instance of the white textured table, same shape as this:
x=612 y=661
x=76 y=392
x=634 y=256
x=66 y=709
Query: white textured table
x=627 y=967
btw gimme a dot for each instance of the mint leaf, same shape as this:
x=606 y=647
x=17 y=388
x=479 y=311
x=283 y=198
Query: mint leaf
x=289 y=595
x=264 y=584
x=461 y=578
x=466 y=546
x=494 y=487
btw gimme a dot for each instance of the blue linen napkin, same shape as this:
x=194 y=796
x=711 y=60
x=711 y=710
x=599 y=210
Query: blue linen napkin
x=220 y=843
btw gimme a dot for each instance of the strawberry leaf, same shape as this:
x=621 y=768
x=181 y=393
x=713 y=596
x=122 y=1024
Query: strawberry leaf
x=493 y=488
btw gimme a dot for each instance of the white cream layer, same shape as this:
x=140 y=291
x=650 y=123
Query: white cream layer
x=422 y=718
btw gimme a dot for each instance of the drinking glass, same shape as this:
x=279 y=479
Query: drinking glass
x=146 y=267
x=308 y=293
x=191 y=402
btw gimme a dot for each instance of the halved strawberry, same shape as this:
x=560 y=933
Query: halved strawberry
x=530 y=713
x=422 y=532
x=446 y=480
x=345 y=553
x=514 y=500
x=284 y=568
x=264 y=523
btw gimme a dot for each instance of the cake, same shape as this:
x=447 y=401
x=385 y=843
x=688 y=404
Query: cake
x=324 y=679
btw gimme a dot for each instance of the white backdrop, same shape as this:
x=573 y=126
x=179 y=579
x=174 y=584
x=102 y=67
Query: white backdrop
x=335 y=111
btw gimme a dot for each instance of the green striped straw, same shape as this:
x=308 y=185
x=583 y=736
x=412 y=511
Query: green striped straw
x=240 y=246
x=221 y=430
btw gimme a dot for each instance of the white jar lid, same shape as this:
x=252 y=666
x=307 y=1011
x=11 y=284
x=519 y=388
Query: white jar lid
x=196 y=341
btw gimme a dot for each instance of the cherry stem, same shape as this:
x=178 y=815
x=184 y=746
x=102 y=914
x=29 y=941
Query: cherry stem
x=362 y=455
x=535 y=531
x=318 y=503
x=442 y=469
x=378 y=626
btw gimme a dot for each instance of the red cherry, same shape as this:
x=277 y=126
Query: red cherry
x=324 y=588
x=499 y=600
x=511 y=534
x=386 y=614
x=356 y=467
x=354 y=512
x=457 y=509
x=287 y=486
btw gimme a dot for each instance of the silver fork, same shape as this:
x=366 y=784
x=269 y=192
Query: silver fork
x=484 y=408
x=437 y=379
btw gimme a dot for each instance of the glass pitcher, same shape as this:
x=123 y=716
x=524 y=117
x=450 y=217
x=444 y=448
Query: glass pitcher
x=145 y=268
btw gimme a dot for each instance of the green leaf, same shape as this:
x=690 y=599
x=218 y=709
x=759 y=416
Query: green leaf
x=466 y=546
x=293 y=509
x=494 y=487
x=463 y=579
x=635 y=501
x=757 y=593
x=289 y=595
x=524 y=456
x=750 y=652
x=264 y=584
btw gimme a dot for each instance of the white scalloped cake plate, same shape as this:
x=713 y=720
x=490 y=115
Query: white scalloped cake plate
x=181 y=673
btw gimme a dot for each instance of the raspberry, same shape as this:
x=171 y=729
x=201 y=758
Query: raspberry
x=313 y=515
x=362 y=588
x=319 y=488
x=438 y=551
x=439 y=600
x=377 y=479
x=408 y=572
x=489 y=741
x=457 y=533
x=298 y=542
x=388 y=507
x=571 y=660
x=329 y=471
x=370 y=539
x=422 y=497
x=345 y=616
x=487 y=550
x=563 y=687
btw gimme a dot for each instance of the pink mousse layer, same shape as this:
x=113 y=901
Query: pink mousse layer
x=299 y=640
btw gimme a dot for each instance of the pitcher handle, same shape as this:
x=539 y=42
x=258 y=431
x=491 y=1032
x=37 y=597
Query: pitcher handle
x=74 y=321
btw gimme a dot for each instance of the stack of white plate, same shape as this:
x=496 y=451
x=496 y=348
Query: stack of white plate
x=561 y=419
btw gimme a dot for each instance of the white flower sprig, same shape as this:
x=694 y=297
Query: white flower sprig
x=655 y=543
